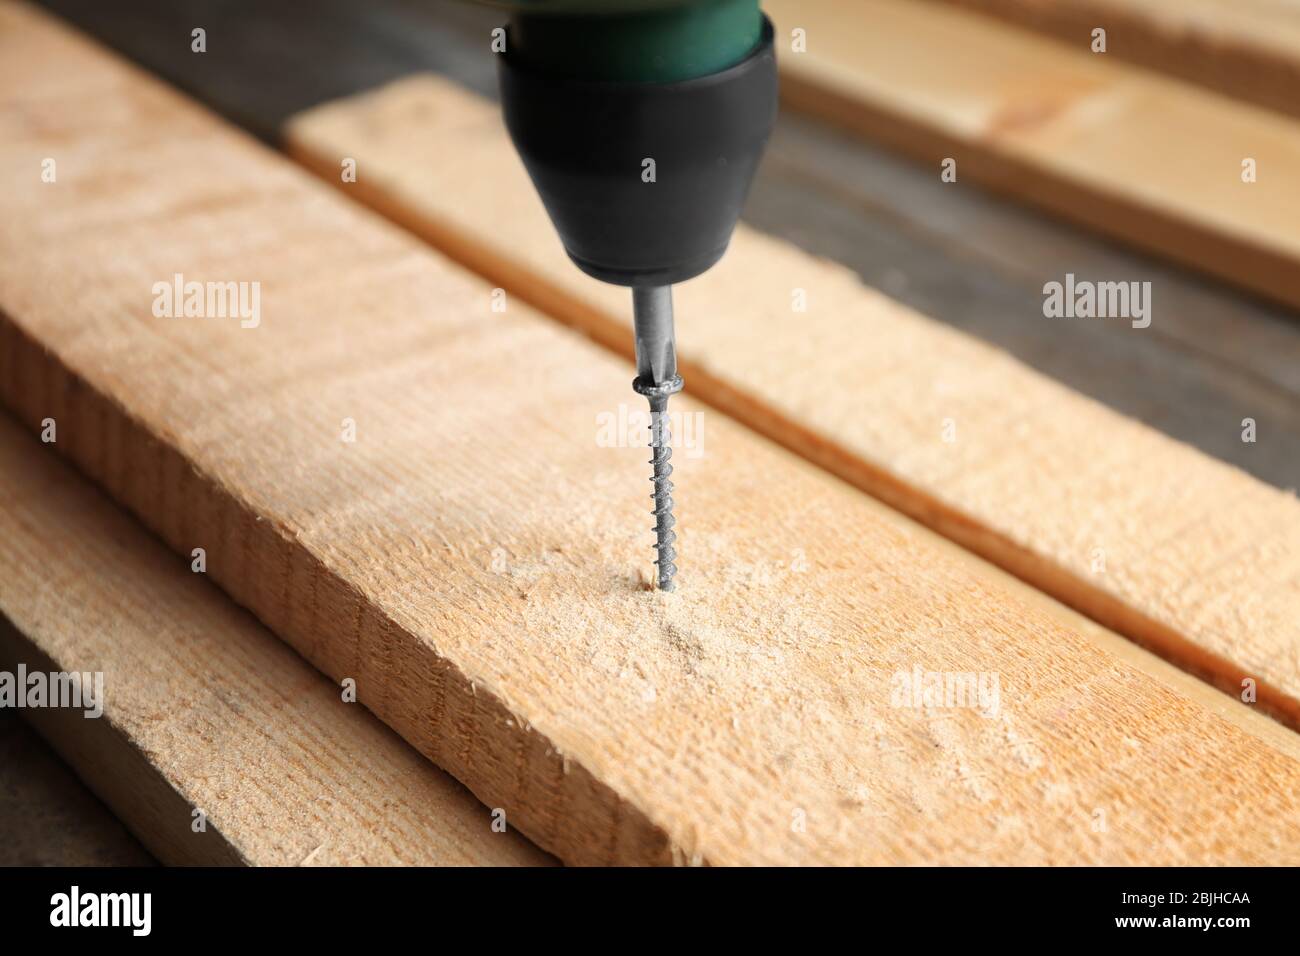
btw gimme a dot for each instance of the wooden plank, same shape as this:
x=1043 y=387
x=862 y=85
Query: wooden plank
x=1061 y=492
x=466 y=559
x=1249 y=49
x=978 y=263
x=203 y=709
x=1140 y=157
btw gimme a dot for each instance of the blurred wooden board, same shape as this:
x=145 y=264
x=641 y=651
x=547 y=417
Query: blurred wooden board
x=203 y=709
x=1212 y=357
x=1143 y=158
x=466 y=559
x=1244 y=48
x=1080 y=502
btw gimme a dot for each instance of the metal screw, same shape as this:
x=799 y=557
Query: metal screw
x=657 y=380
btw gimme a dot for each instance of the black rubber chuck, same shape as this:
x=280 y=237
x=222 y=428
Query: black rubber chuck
x=585 y=145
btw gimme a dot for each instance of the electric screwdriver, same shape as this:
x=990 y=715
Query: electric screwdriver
x=641 y=124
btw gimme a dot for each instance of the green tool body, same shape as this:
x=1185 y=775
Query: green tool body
x=638 y=42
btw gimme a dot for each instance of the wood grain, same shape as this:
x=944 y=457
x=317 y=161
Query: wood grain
x=204 y=709
x=1249 y=49
x=479 y=563
x=1185 y=554
x=1140 y=157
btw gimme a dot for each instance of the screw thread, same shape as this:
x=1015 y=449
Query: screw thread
x=661 y=455
x=660 y=442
